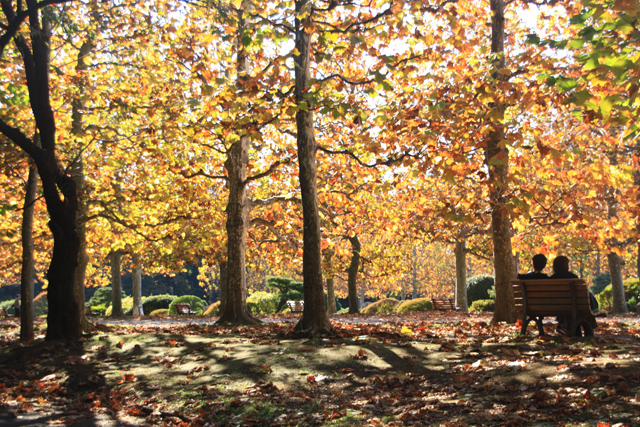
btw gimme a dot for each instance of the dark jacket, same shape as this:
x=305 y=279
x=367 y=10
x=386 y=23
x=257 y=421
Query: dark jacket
x=532 y=275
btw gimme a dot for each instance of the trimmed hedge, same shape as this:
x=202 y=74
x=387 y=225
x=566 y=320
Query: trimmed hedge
x=263 y=302
x=40 y=305
x=631 y=289
x=387 y=305
x=478 y=288
x=159 y=312
x=197 y=303
x=418 y=304
x=482 y=305
x=213 y=309
x=156 y=302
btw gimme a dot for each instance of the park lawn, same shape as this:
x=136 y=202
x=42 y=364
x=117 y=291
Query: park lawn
x=431 y=369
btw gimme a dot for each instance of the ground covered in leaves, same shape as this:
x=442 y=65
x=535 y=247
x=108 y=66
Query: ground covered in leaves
x=441 y=369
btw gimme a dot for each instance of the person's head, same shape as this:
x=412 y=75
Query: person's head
x=561 y=264
x=539 y=262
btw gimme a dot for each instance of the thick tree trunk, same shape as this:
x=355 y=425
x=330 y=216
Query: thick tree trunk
x=353 y=275
x=497 y=160
x=64 y=318
x=115 y=258
x=137 y=287
x=77 y=173
x=223 y=283
x=461 y=275
x=331 y=296
x=235 y=308
x=619 y=303
x=28 y=261
x=314 y=318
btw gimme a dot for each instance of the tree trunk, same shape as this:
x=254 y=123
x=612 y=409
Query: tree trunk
x=235 y=308
x=223 y=283
x=116 y=284
x=331 y=296
x=461 y=275
x=28 y=261
x=64 y=318
x=314 y=320
x=77 y=174
x=353 y=275
x=619 y=303
x=414 y=274
x=137 y=287
x=598 y=261
x=497 y=160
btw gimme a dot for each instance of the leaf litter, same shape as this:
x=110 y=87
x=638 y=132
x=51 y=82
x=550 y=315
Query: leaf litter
x=443 y=370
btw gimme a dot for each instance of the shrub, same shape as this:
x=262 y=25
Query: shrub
x=478 y=288
x=600 y=282
x=213 y=309
x=288 y=289
x=40 y=305
x=631 y=288
x=482 y=305
x=8 y=305
x=418 y=304
x=197 y=303
x=156 y=302
x=632 y=304
x=127 y=307
x=100 y=309
x=386 y=305
x=102 y=296
x=159 y=312
x=262 y=303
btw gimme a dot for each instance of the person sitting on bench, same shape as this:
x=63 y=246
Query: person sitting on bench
x=561 y=271
x=539 y=263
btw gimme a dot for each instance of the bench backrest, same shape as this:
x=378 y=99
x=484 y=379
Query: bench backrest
x=296 y=306
x=442 y=303
x=183 y=308
x=550 y=297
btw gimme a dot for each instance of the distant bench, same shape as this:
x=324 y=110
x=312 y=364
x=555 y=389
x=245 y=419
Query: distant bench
x=296 y=306
x=3 y=313
x=567 y=298
x=443 y=304
x=184 y=309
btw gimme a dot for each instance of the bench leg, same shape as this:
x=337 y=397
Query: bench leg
x=582 y=329
x=539 y=324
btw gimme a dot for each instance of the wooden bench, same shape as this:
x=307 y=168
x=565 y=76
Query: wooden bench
x=296 y=306
x=567 y=298
x=443 y=304
x=184 y=309
x=3 y=313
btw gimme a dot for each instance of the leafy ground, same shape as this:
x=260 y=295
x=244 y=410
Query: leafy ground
x=429 y=369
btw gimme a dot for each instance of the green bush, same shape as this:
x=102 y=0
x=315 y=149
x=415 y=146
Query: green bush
x=478 y=288
x=262 y=303
x=159 y=312
x=632 y=304
x=100 y=309
x=482 y=305
x=418 y=304
x=386 y=305
x=197 y=303
x=40 y=305
x=8 y=305
x=287 y=289
x=156 y=302
x=213 y=309
x=600 y=282
x=631 y=288
x=102 y=296
x=127 y=307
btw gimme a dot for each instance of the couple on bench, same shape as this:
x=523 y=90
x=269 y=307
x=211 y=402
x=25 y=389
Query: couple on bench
x=560 y=271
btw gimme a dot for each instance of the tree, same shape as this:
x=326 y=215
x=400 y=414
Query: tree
x=59 y=189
